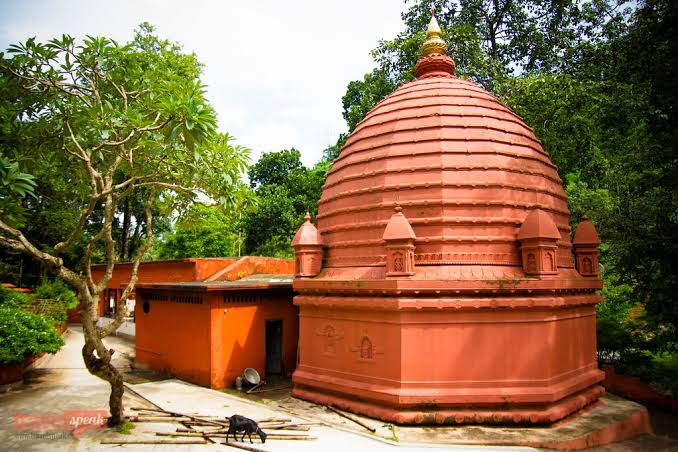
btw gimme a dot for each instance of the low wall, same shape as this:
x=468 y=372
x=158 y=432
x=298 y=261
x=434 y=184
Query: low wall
x=634 y=389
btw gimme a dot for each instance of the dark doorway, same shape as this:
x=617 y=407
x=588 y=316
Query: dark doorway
x=274 y=356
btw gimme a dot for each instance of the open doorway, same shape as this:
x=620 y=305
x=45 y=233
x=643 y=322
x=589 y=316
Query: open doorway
x=274 y=355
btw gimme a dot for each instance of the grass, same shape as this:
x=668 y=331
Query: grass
x=126 y=427
x=393 y=436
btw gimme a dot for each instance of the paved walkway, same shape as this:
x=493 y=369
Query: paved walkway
x=60 y=383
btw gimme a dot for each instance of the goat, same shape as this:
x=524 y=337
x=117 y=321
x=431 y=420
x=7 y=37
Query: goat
x=239 y=423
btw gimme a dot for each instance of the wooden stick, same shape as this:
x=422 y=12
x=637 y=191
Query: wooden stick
x=297 y=437
x=159 y=419
x=351 y=418
x=259 y=391
x=243 y=447
x=274 y=419
x=205 y=437
x=194 y=418
x=152 y=441
x=129 y=388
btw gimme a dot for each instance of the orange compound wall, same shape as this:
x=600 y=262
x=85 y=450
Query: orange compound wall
x=211 y=341
x=174 y=335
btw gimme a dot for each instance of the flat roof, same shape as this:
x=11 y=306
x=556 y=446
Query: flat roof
x=257 y=281
x=181 y=260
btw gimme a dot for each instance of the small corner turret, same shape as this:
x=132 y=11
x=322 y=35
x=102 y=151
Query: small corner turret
x=585 y=244
x=538 y=236
x=399 y=238
x=308 y=249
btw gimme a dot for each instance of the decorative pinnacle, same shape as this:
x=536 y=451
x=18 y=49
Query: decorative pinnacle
x=434 y=44
x=398 y=209
x=307 y=217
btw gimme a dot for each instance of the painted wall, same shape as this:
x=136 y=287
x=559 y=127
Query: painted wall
x=239 y=332
x=174 y=335
x=183 y=270
x=210 y=343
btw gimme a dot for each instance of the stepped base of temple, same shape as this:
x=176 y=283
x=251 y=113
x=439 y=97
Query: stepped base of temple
x=609 y=420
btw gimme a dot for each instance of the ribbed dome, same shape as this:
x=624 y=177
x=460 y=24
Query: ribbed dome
x=465 y=169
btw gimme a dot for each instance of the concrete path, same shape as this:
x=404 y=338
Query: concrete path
x=178 y=396
x=60 y=384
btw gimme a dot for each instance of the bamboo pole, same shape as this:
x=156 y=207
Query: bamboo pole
x=152 y=441
x=194 y=434
x=351 y=418
x=243 y=447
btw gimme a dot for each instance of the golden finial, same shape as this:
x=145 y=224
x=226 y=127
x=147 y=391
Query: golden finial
x=434 y=44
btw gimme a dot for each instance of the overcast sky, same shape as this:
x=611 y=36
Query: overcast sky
x=275 y=70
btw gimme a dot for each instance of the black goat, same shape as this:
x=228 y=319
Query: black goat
x=239 y=423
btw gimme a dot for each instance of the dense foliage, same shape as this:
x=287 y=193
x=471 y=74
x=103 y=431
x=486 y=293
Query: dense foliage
x=203 y=231
x=286 y=190
x=24 y=334
x=51 y=300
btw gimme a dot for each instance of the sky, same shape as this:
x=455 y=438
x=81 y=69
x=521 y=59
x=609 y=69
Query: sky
x=275 y=70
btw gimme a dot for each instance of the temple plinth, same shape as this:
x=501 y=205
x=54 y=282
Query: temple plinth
x=476 y=313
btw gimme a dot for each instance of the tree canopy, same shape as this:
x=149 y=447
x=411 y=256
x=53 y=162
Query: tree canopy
x=286 y=190
x=105 y=129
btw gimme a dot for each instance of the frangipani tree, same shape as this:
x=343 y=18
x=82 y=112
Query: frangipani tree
x=115 y=119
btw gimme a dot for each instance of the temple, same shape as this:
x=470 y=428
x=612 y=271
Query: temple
x=440 y=284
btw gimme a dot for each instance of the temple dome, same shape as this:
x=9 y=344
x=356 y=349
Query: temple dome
x=475 y=262
x=586 y=233
x=466 y=170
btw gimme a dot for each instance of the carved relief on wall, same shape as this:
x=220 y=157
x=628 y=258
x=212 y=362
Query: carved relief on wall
x=365 y=349
x=550 y=265
x=531 y=263
x=587 y=265
x=331 y=337
x=398 y=263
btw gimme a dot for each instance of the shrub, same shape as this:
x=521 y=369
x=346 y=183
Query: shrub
x=51 y=299
x=664 y=376
x=56 y=290
x=23 y=334
x=9 y=295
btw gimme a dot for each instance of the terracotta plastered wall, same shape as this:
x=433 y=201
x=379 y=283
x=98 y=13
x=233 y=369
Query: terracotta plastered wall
x=239 y=332
x=488 y=356
x=334 y=344
x=162 y=271
x=174 y=335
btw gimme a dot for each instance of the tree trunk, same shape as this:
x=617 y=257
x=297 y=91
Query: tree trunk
x=98 y=359
x=134 y=242
x=126 y=220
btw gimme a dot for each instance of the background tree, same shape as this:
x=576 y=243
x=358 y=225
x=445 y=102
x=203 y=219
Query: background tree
x=203 y=231
x=490 y=40
x=285 y=191
x=117 y=120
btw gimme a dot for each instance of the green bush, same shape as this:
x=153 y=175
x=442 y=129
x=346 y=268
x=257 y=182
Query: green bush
x=664 y=376
x=8 y=295
x=56 y=290
x=51 y=299
x=23 y=334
